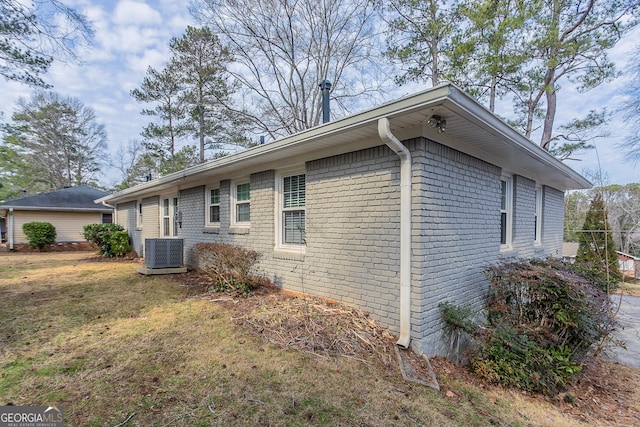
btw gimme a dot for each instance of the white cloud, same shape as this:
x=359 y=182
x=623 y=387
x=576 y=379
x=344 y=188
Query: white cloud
x=151 y=58
x=136 y=12
x=132 y=35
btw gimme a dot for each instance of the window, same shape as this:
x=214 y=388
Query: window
x=168 y=216
x=291 y=215
x=213 y=204
x=175 y=216
x=139 y=213
x=537 y=238
x=107 y=218
x=241 y=204
x=166 y=231
x=293 y=209
x=505 y=212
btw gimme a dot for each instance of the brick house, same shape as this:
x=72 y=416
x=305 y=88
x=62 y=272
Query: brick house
x=347 y=211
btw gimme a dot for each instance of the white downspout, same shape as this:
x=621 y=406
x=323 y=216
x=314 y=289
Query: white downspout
x=392 y=142
x=10 y=228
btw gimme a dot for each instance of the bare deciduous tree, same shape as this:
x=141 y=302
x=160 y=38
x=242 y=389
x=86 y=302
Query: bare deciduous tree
x=631 y=108
x=284 y=49
x=623 y=203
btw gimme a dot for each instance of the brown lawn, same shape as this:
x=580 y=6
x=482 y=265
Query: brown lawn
x=117 y=348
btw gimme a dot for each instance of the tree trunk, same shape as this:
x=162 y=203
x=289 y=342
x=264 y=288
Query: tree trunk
x=201 y=131
x=549 y=117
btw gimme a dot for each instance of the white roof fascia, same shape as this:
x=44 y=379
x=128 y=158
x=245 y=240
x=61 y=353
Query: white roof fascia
x=443 y=94
x=490 y=121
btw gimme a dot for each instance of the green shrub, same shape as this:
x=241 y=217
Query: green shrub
x=543 y=318
x=39 y=234
x=101 y=235
x=458 y=323
x=231 y=267
x=119 y=242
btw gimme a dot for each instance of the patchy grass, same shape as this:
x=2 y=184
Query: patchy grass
x=630 y=287
x=105 y=343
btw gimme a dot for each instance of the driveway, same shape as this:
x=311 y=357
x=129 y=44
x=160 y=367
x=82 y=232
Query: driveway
x=629 y=332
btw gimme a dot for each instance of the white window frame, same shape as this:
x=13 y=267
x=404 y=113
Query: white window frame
x=538 y=216
x=174 y=207
x=139 y=219
x=298 y=248
x=507 y=210
x=235 y=202
x=208 y=205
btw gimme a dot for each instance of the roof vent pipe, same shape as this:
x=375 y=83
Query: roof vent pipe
x=325 y=87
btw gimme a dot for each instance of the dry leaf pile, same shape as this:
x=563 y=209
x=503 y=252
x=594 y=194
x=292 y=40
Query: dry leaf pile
x=321 y=328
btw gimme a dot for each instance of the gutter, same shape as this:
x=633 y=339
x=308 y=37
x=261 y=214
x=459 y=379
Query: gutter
x=10 y=228
x=392 y=142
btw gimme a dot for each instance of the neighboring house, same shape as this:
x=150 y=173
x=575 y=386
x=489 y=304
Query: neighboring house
x=392 y=210
x=570 y=251
x=68 y=210
x=629 y=265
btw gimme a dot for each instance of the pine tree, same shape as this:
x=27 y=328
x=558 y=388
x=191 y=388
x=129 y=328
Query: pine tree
x=199 y=61
x=596 y=241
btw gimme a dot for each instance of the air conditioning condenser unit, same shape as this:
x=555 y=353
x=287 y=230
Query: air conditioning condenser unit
x=163 y=253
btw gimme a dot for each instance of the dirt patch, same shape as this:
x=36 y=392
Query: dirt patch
x=604 y=394
x=56 y=247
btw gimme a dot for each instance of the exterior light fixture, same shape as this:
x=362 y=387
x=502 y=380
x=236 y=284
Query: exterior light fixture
x=437 y=122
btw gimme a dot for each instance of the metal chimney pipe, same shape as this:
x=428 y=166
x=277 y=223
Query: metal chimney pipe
x=325 y=87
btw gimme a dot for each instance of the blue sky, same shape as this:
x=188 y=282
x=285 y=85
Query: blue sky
x=134 y=34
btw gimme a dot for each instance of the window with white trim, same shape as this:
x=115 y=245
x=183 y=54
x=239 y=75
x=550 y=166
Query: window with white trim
x=506 y=212
x=291 y=196
x=168 y=216
x=538 y=216
x=213 y=206
x=241 y=204
x=294 y=194
x=139 y=213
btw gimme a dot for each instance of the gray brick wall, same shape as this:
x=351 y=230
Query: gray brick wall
x=552 y=221
x=352 y=231
x=353 y=223
x=455 y=206
x=524 y=222
x=260 y=236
